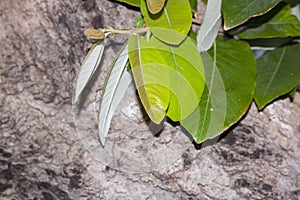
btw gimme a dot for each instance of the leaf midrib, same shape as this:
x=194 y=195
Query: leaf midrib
x=167 y=16
x=211 y=83
x=275 y=72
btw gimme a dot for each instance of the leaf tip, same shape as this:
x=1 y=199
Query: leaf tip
x=101 y=138
x=75 y=100
x=76 y=96
x=156 y=114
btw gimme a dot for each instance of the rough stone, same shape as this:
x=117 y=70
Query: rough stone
x=42 y=157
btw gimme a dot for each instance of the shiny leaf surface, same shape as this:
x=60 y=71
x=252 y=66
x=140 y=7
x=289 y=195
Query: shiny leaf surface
x=172 y=24
x=170 y=80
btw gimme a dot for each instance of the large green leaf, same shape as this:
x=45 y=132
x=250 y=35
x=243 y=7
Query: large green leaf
x=277 y=74
x=230 y=71
x=237 y=12
x=211 y=24
x=208 y=118
x=283 y=24
x=237 y=66
x=88 y=68
x=131 y=2
x=166 y=77
x=172 y=24
x=151 y=77
x=155 y=6
x=187 y=79
x=115 y=88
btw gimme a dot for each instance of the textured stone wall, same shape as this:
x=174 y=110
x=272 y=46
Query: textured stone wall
x=41 y=156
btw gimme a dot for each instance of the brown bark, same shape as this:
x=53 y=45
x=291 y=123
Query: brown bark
x=42 y=157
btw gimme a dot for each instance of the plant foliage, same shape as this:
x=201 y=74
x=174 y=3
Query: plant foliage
x=208 y=84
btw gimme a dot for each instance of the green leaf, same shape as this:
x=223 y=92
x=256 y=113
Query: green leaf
x=169 y=79
x=237 y=65
x=155 y=6
x=208 y=118
x=277 y=74
x=139 y=21
x=135 y=3
x=230 y=76
x=236 y=12
x=210 y=27
x=89 y=66
x=283 y=24
x=292 y=93
x=193 y=4
x=172 y=24
x=292 y=2
x=151 y=77
x=187 y=79
x=115 y=88
x=193 y=35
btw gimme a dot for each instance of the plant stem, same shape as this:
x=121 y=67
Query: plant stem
x=197 y=21
x=134 y=31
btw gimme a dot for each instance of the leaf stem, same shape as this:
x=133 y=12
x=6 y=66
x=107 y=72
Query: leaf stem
x=197 y=21
x=135 y=31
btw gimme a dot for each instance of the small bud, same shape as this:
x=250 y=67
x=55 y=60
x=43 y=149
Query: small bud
x=94 y=33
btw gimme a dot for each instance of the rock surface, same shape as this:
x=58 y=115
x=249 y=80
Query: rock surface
x=42 y=157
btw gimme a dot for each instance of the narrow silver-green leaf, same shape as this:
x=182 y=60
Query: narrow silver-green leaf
x=296 y=11
x=89 y=66
x=210 y=26
x=117 y=83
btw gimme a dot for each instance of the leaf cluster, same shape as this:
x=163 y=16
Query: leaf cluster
x=245 y=50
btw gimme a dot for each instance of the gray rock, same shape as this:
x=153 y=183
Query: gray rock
x=43 y=157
